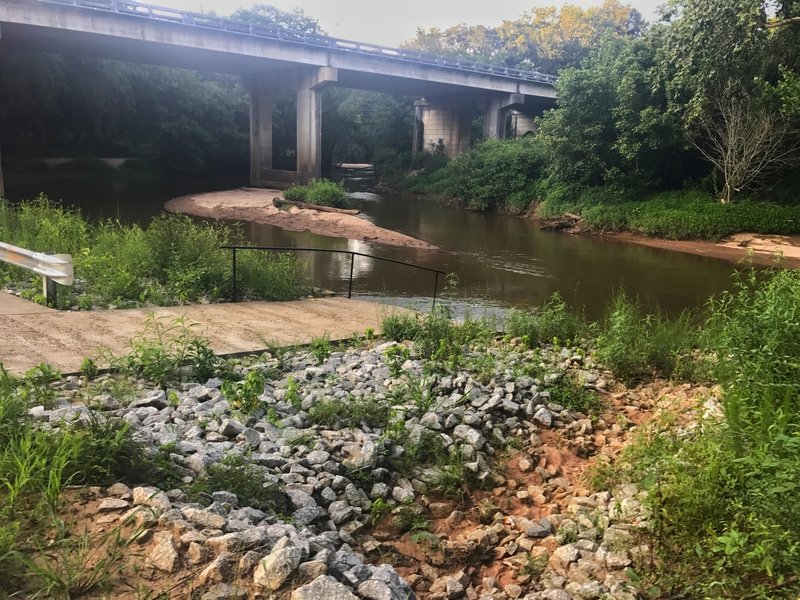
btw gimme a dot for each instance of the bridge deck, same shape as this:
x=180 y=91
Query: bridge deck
x=31 y=334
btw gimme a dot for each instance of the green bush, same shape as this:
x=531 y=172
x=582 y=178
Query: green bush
x=296 y=193
x=552 y=320
x=437 y=336
x=174 y=260
x=498 y=174
x=322 y=192
x=755 y=332
x=632 y=343
x=402 y=327
x=723 y=495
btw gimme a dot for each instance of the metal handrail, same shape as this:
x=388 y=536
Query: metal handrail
x=181 y=17
x=352 y=253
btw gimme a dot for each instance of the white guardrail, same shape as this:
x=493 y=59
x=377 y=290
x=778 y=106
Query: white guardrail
x=54 y=268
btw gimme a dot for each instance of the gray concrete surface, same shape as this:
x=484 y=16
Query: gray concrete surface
x=31 y=334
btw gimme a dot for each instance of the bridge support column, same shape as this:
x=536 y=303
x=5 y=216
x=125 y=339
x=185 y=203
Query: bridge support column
x=309 y=134
x=523 y=124
x=260 y=130
x=445 y=127
x=308 y=87
x=494 y=120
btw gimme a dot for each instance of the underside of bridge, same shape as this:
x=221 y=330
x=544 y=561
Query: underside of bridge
x=268 y=67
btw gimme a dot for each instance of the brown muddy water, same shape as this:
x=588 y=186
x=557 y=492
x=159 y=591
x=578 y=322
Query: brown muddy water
x=500 y=261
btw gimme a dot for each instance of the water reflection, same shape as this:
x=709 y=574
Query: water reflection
x=501 y=261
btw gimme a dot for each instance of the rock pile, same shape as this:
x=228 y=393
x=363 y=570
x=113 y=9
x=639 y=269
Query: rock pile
x=327 y=486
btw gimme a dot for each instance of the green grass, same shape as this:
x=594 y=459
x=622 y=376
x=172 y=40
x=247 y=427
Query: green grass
x=174 y=260
x=570 y=393
x=723 y=496
x=236 y=475
x=35 y=465
x=351 y=412
x=633 y=343
x=322 y=192
x=553 y=320
x=680 y=214
x=438 y=337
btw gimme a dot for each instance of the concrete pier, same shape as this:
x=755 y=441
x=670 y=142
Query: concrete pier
x=288 y=62
x=307 y=85
x=445 y=125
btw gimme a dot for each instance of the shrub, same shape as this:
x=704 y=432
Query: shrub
x=173 y=260
x=681 y=214
x=723 y=495
x=631 y=342
x=296 y=193
x=755 y=332
x=401 y=327
x=498 y=174
x=552 y=320
x=322 y=192
x=245 y=395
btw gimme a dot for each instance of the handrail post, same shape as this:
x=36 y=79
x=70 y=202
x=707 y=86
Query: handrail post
x=350 y=288
x=235 y=299
x=435 y=288
x=50 y=292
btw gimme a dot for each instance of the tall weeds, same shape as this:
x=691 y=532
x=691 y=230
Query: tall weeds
x=35 y=465
x=174 y=260
x=724 y=495
x=633 y=344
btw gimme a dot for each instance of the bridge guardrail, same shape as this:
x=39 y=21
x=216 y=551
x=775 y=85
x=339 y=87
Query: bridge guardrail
x=173 y=15
x=54 y=268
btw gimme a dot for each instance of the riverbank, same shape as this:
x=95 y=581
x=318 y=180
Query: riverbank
x=764 y=250
x=258 y=206
x=452 y=464
x=679 y=221
x=443 y=462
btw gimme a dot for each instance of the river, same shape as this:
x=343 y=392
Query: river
x=500 y=261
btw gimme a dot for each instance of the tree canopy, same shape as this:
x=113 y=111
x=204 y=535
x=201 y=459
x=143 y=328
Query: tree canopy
x=546 y=39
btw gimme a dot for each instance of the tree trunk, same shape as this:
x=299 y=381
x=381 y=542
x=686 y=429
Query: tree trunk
x=727 y=194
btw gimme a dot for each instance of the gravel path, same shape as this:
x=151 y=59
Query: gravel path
x=31 y=334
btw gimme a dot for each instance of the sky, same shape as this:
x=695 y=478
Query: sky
x=391 y=22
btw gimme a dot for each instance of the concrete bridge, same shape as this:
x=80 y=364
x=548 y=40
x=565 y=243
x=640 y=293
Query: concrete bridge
x=275 y=61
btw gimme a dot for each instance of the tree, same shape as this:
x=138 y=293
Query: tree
x=744 y=143
x=475 y=42
x=610 y=125
x=547 y=39
x=356 y=124
x=269 y=16
x=553 y=38
x=705 y=44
